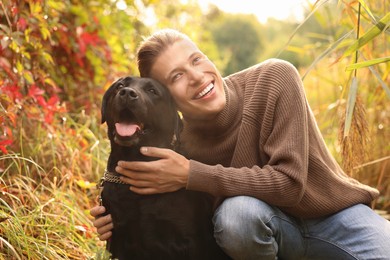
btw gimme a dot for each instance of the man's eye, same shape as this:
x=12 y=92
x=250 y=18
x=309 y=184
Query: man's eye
x=176 y=76
x=197 y=59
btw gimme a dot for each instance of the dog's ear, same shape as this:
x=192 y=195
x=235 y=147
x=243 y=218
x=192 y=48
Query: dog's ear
x=177 y=132
x=104 y=104
x=105 y=99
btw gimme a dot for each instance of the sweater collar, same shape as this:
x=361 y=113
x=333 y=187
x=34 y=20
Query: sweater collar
x=225 y=121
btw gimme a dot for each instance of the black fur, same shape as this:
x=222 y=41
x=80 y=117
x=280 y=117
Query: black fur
x=170 y=226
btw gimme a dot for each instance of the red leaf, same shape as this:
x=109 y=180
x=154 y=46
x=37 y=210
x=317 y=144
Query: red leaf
x=79 y=60
x=90 y=38
x=95 y=19
x=8 y=132
x=21 y=24
x=41 y=101
x=12 y=91
x=86 y=38
x=51 y=107
x=14 y=10
x=49 y=116
x=82 y=47
x=3 y=144
x=53 y=100
x=35 y=92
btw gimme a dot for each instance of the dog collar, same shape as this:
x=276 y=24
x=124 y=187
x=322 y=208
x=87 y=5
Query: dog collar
x=111 y=177
x=107 y=177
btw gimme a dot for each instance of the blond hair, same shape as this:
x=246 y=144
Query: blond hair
x=151 y=48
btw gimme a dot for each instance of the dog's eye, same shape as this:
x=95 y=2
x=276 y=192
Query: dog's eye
x=153 y=91
x=119 y=86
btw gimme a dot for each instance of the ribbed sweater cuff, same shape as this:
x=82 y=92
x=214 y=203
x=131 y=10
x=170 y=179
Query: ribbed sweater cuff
x=199 y=178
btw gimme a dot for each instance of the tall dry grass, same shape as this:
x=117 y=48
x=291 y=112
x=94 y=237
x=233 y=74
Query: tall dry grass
x=46 y=192
x=348 y=88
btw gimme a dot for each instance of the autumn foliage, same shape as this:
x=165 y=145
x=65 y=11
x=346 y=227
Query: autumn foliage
x=54 y=65
x=43 y=55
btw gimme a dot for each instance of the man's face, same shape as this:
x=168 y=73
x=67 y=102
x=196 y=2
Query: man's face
x=193 y=80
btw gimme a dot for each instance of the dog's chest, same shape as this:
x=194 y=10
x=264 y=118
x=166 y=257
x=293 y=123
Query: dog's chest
x=180 y=208
x=172 y=225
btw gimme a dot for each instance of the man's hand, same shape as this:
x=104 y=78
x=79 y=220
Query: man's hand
x=103 y=224
x=169 y=173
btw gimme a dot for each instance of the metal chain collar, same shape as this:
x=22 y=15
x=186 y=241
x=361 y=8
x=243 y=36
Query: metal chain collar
x=110 y=177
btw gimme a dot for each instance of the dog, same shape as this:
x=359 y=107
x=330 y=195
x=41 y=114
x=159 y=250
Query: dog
x=176 y=225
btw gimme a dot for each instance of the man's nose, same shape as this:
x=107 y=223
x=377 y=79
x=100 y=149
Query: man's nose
x=195 y=75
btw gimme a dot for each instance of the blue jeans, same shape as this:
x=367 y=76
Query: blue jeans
x=247 y=228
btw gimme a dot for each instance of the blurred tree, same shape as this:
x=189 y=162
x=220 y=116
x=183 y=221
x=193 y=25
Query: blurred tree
x=237 y=39
x=187 y=17
x=275 y=37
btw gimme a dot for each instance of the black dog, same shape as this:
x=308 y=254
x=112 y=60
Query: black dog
x=141 y=112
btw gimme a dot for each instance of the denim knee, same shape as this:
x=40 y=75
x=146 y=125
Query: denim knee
x=240 y=228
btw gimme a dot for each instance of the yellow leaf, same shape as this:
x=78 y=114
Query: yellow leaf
x=19 y=67
x=35 y=8
x=47 y=57
x=50 y=82
x=86 y=184
x=27 y=75
x=45 y=33
x=27 y=33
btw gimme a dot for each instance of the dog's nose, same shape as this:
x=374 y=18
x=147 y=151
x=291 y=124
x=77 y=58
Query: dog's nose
x=128 y=93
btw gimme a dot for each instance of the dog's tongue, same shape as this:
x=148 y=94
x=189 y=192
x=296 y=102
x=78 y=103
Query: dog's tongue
x=124 y=129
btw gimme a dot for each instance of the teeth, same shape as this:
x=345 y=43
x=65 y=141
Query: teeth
x=205 y=91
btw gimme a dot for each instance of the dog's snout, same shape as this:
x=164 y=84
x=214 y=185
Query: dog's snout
x=128 y=93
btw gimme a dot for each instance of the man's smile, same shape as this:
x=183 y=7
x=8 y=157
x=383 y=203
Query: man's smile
x=205 y=91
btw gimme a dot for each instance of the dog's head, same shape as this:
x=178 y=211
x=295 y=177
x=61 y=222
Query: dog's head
x=140 y=112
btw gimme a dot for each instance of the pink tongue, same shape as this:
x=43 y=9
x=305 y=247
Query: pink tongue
x=126 y=129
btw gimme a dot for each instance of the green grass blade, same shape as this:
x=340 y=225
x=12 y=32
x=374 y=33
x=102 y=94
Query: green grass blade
x=368 y=63
x=365 y=6
x=326 y=52
x=369 y=35
x=350 y=105
x=383 y=84
x=10 y=247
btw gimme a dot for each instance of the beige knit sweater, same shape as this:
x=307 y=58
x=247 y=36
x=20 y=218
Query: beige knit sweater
x=266 y=144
